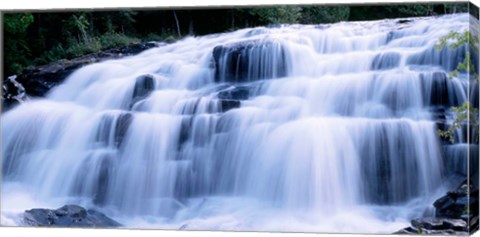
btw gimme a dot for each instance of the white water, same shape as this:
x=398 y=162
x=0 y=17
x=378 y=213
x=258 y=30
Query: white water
x=337 y=134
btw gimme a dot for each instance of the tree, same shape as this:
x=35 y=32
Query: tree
x=276 y=15
x=79 y=24
x=324 y=14
x=16 y=47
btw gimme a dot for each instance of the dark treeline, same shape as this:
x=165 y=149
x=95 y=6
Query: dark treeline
x=41 y=37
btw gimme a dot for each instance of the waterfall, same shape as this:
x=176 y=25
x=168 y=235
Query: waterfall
x=292 y=128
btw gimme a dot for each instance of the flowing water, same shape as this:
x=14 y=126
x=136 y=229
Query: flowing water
x=290 y=128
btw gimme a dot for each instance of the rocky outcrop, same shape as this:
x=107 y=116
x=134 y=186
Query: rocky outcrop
x=249 y=61
x=68 y=216
x=456 y=213
x=38 y=81
x=144 y=85
x=13 y=92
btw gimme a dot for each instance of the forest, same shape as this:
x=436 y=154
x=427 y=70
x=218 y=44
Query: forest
x=37 y=38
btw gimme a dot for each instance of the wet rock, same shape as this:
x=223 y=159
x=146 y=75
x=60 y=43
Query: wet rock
x=38 y=81
x=121 y=127
x=433 y=223
x=249 y=61
x=68 y=216
x=428 y=223
x=404 y=21
x=184 y=133
x=409 y=231
x=144 y=85
x=456 y=203
x=235 y=93
x=229 y=104
x=447 y=57
x=438 y=86
x=119 y=123
x=456 y=214
x=13 y=93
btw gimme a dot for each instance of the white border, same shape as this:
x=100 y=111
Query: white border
x=85 y=4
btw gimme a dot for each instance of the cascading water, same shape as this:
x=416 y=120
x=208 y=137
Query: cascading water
x=295 y=128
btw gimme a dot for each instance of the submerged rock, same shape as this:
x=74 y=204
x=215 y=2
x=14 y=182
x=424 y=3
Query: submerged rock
x=384 y=61
x=68 y=216
x=235 y=93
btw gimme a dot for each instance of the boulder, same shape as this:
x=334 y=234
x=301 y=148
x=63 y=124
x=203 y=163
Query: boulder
x=456 y=203
x=144 y=85
x=68 y=216
x=249 y=61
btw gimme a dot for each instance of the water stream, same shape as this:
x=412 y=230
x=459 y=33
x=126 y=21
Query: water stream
x=326 y=128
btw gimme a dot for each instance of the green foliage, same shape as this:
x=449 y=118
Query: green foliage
x=113 y=40
x=455 y=7
x=465 y=114
x=276 y=15
x=16 y=48
x=17 y=23
x=415 y=10
x=324 y=14
x=76 y=48
x=78 y=23
x=159 y=37
x=456 y=39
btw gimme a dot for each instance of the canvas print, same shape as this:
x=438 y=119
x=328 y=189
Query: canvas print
x=281 y=118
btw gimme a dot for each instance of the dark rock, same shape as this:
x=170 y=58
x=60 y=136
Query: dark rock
x=448 y=58
x=249 y=61
x=433 y=223
x=229 y=104
x=121 y=127
x=68 y=216
x=446 y=207
x=144 y=85
x=103 y=181
x=235 y=93
x=409 y=231
x=403 y=21
x=437 y=87
x=428 y=223
x=39 y=80
x=13 y=93
x=185 y=130
x=456 y=213
x=119 y=123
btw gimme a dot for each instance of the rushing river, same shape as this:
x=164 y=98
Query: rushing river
x=290 y=128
